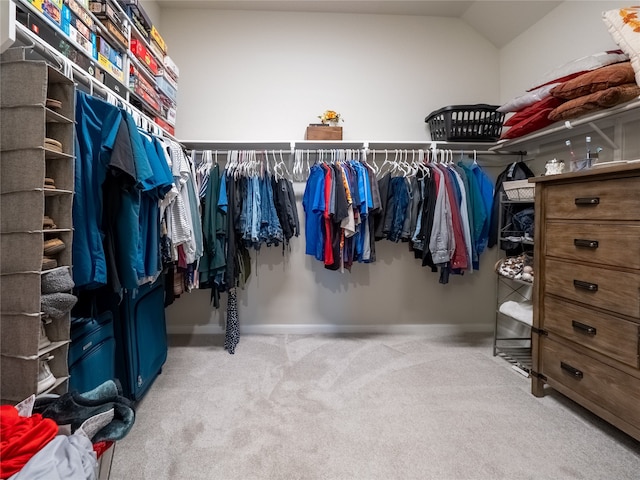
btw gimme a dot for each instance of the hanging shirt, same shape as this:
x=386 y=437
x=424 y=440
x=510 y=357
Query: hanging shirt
x=126 y=220
x=96 y=130
x=314 y=205
x=486 y=192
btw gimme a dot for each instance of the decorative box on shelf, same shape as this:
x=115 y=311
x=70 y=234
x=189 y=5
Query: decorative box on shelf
x=319 y=131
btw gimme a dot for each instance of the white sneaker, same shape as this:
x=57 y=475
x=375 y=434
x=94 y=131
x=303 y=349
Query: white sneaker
x=45 y=377
x=43 y=341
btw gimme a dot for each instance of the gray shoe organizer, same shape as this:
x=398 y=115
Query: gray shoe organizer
x=24 y=163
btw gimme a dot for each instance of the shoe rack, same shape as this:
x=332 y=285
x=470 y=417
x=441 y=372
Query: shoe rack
x=37 y=112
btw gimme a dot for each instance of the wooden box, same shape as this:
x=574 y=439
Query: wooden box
x=323 y=133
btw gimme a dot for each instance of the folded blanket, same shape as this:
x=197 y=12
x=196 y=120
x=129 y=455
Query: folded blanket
x=522 y=312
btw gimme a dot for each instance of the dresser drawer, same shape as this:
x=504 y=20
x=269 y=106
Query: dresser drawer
x=617 y=199
x=611 y=290
x=602 y=384
x=609 y=244
x=612 y=336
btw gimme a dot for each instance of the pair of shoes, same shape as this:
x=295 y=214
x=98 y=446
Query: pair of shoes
x=48 y=223
x=49 y=183
x=53 y=246
x=73 y=408
x=58 y=280
x=56 y=305
x=49 y=263
x=43 y=340
x=53 y=103
x=45 y=377
x=53 y=144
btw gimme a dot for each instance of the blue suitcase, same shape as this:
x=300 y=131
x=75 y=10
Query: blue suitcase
x=92 y=352
x=141 y=338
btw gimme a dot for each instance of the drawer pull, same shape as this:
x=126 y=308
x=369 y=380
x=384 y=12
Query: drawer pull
x=588 y=201
x=574 y=372
x=592 y=287
x=583 y=328
x=580 y=242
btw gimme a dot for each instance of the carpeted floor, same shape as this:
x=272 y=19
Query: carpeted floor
x=361 y=407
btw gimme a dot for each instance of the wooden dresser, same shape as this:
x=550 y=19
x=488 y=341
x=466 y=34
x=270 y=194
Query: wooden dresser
x=586 y=325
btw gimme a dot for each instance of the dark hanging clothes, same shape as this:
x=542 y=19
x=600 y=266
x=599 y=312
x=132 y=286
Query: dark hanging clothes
x=383 y=188
x=428 y=215
x=285 y=204
x=341 y=212
x=515 y=171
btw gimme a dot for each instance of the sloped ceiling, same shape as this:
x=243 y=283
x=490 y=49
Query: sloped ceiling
x=499 y=21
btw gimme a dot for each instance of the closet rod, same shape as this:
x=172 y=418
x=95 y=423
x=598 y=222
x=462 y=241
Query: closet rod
x=454 y=151
x=257 y=150
x=34 y=42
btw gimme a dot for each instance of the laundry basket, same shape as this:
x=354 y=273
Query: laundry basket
x=466 y=123
x=519 y=190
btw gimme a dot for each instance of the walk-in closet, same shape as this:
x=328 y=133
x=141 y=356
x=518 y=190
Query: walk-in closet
x=319 y=239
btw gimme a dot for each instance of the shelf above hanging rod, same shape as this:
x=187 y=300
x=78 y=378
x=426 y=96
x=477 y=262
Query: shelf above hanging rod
x=328 y=145
x=220 y=146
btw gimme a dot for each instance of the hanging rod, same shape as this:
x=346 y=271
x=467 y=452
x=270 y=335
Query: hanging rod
x=455 y=151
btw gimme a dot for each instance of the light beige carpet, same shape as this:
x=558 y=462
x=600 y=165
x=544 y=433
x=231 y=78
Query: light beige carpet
x=361 y=407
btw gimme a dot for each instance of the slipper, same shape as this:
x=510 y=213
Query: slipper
x=58 y=280
x=49 y=263
x=53 y=246
x=53 y=103
x=52 y=144
x=47 y=223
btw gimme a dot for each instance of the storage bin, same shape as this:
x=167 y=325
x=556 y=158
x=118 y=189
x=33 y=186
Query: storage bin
x=323 y=133
x=519 y=190
x=466 y=123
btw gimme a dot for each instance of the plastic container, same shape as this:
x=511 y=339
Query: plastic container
x=466 y=123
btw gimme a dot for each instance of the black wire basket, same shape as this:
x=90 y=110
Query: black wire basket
x=466 y=123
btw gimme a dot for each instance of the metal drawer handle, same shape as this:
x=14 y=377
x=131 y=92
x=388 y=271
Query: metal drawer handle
x=583 y=328
x=580 y=242
x=574 y=372
x=587 y=201
x=592 y=287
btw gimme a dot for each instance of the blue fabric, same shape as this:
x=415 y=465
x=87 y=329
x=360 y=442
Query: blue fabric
x=270 y=223
x=400 y=194
x=129 y=251
x=223 y=203
x=96 y=130
x=313 y=204
x=149 y=262
x=486 y=193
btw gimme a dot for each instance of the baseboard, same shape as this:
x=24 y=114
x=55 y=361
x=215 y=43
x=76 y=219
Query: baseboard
x=307 y=329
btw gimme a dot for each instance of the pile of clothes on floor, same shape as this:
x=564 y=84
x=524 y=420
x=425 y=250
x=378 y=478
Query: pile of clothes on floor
x=61 y=437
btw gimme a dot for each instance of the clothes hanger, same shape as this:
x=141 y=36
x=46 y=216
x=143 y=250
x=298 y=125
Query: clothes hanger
x=284 y=165
x=386 y=162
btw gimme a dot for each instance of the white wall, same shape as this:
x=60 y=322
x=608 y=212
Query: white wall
x=572 y=30
x=257 y=76
x=267 y=75
x=153 y=10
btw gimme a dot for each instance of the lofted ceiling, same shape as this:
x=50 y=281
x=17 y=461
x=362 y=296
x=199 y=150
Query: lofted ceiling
x=500 y=21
